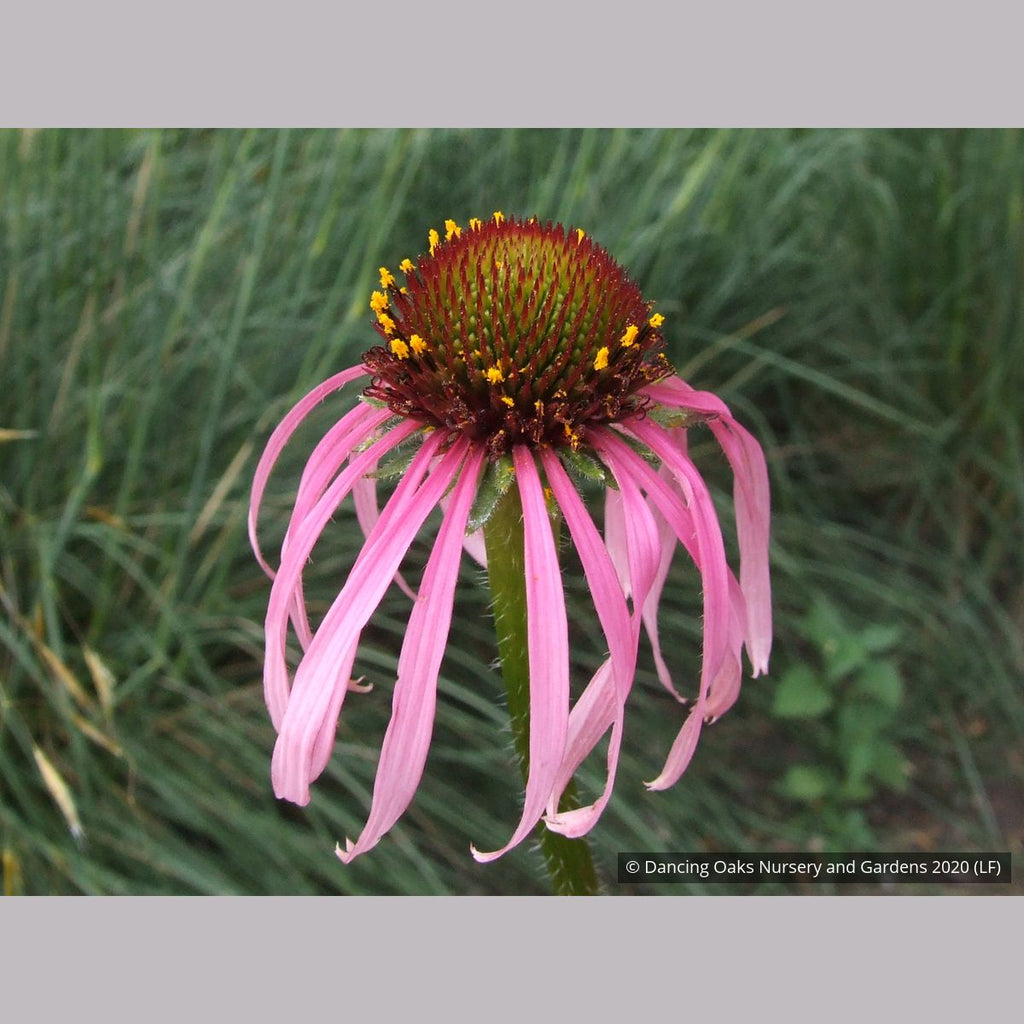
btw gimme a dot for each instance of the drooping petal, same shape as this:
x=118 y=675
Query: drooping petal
x=353 y=430
x=589 y=720
x=472 y=543
x=407 y=740
x=279 y=438
x=752 y=500
x=476 y=548
x=710 y=558
x=610 y=605
x=676 y=524
x=404 y=494
x=725 y=687
x=548 y=645
x=285 y=589
x=328 y=661
x=364 y=496
x=667 y=542
x=615 y=537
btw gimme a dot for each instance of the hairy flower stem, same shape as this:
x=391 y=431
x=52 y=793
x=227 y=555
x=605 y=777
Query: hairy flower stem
x=568 y=861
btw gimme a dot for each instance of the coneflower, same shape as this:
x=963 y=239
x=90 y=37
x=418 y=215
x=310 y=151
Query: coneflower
x=515 y=358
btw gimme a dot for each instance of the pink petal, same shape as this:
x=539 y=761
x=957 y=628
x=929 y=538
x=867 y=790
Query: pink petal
x=725 y=687
x=475 y=547
x=279 y=438
x=364 y=496
x=473 y=543
x=714 y=572
x=548 y=644
x=674 y=518
x=328 y=662
x=285 y=590
x=613 y=615
x=396 y=507
x=589 y=720
x=407 y=740
x=615 y=537
x=351 y=431
x=667 y=542
x=752 y=500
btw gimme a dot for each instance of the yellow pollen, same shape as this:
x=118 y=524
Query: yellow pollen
x=498 y=216
x=539 y=406
x=656 y=321
x=494 y=375
x=406 y=266
x=378 y=302
x=580 y=235
x=548 y=493
x=630 y=336
x=386 y=278
x=403 y=290
x=451 y=229
x=508 y=401
x=434 y=239
x=475 y=223
x=602 y=358
x=400 y=348
x=417 y=344
x=386 y=322
x=572 y=436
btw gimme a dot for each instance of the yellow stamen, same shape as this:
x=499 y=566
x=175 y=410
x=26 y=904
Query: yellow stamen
x=406 y=266
x=580 y=235
x=572 y=436
x=602 y=358
x=378 y=302
x=494 y=375
x=417 y=344
x=400 y=348
x=539 y=406
x=434 y=239
x=386 y=322
x=498 y=216
x=386 y=278
x=656 y=321
x=630 y=336
x=475 y=223
x=508 y=401
x=451 y=229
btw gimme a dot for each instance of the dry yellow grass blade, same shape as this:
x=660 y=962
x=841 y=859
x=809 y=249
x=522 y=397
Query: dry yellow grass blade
x=102 y=678
x=6 y=434
x=60 y=792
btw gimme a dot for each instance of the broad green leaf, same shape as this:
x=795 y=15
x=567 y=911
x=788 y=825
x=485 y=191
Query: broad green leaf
x=881 y=681
x=801 y=693
x=806 y=783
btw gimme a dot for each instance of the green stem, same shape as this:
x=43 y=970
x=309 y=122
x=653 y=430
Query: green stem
x=568 y=860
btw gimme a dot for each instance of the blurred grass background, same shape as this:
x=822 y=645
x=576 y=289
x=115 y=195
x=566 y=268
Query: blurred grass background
x=857 y=297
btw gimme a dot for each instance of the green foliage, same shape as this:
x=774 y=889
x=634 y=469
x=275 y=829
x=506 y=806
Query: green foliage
x=166 y=296
x=852 y=694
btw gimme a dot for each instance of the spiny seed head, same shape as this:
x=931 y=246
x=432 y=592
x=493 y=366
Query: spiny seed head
x=514 y=332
